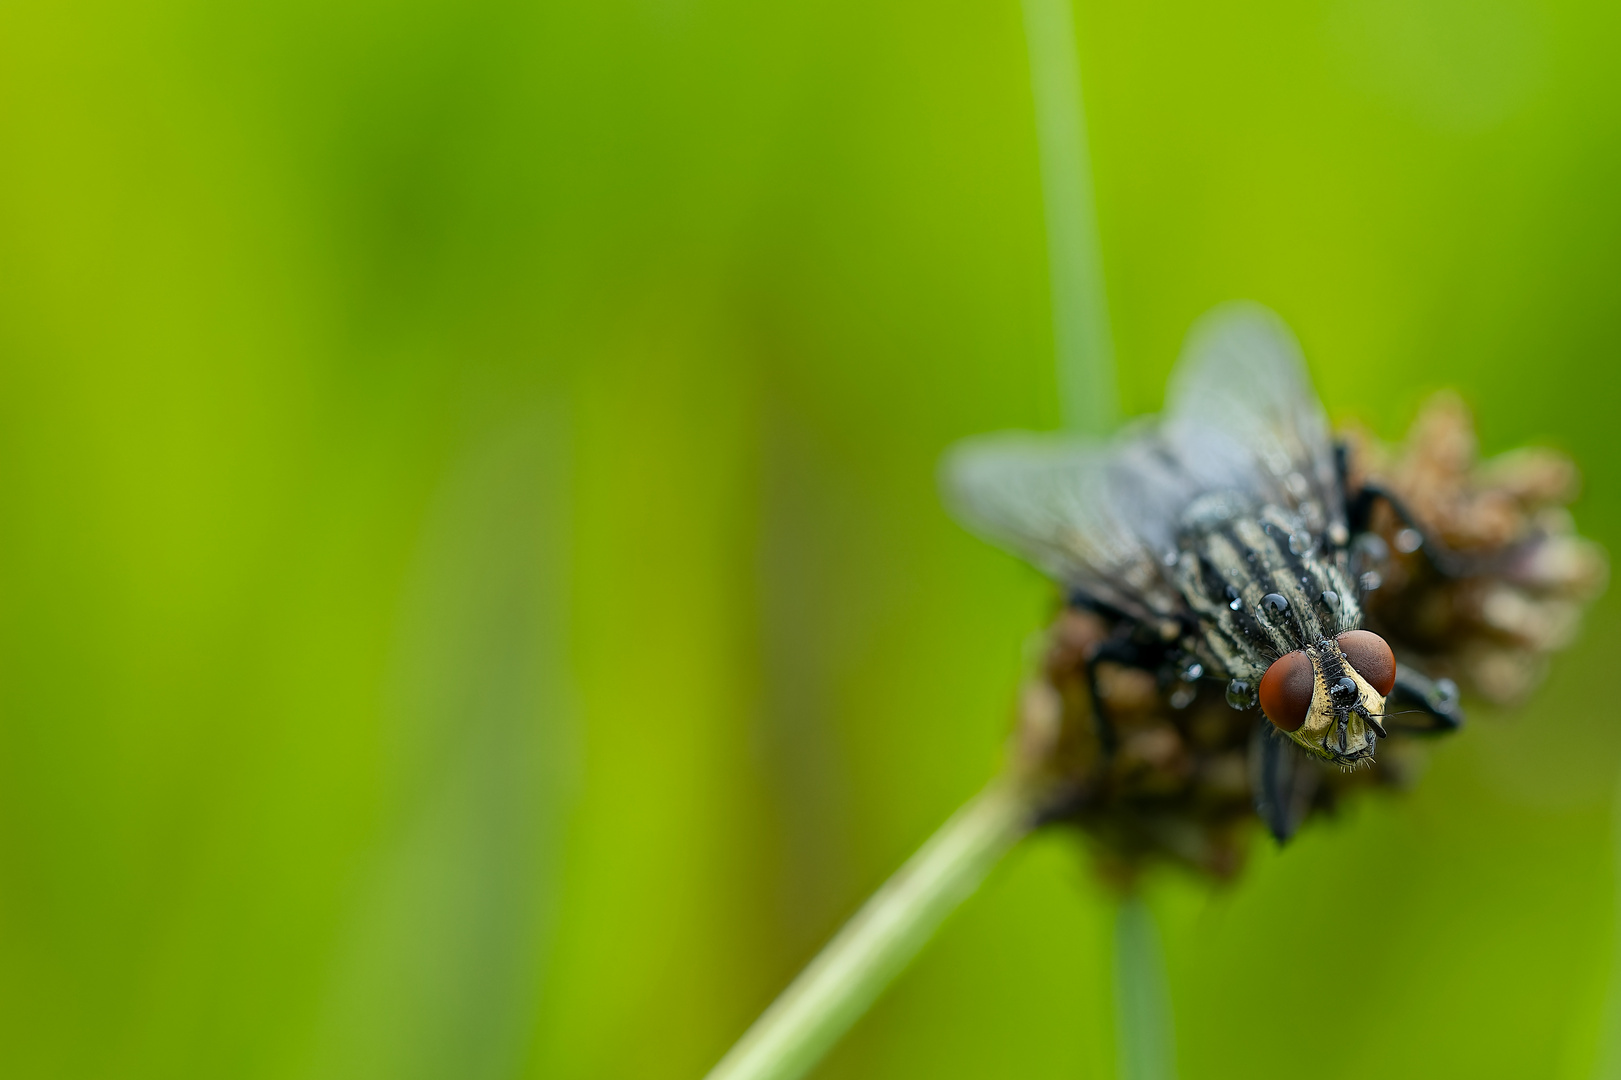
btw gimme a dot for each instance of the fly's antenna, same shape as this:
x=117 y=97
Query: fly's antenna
x=1373 y=719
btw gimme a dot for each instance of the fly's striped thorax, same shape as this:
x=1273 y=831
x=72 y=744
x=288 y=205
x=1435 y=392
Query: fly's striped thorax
x=1262 y=586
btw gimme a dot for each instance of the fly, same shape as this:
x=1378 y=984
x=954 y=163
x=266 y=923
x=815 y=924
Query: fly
x=1221 y=536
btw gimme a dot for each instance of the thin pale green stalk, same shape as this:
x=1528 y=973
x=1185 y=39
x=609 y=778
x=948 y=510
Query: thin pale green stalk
x=1145 y=1045
x=1086 y=375
x=872 y=948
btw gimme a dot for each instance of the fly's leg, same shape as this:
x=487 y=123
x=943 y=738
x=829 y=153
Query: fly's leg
x=1117 y=651
x=1447 y=563
x=1359 y=517
x=1283 y=781
x=1128 y=647
x=1435 y=702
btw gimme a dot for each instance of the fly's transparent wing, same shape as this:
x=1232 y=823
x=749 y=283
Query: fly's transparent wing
x=1242 y=413
x=1242 y=427
x=1095 y=516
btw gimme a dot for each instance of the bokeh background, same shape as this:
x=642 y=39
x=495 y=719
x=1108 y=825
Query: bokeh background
x=473 y=597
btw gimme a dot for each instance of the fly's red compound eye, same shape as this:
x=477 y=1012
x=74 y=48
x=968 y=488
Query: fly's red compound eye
x=1371 y=657
x=1286 y=690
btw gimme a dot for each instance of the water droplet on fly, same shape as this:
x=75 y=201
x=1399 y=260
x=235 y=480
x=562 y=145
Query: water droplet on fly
x=1275 y=603
x=1337 y=534
x=1330 y=598
x=1193 y=672
x=1371 y=548
x=1300 y=542
x=1370 y=581
x=1240 y=695
x=1409 y=541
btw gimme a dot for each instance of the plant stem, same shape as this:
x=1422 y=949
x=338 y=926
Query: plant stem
x=1086 y=376
x=1145 y=1045
x=872 y=948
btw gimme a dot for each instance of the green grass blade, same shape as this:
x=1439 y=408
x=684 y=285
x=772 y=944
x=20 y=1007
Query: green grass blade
x=1145 y=1045
x=1086 y=377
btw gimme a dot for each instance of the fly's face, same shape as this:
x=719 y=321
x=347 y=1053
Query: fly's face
x=1329 y=697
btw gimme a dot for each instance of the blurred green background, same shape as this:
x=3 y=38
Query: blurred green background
x=473 y=597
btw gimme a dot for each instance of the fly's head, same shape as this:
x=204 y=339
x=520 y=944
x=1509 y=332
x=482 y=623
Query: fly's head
x=1330 y=696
